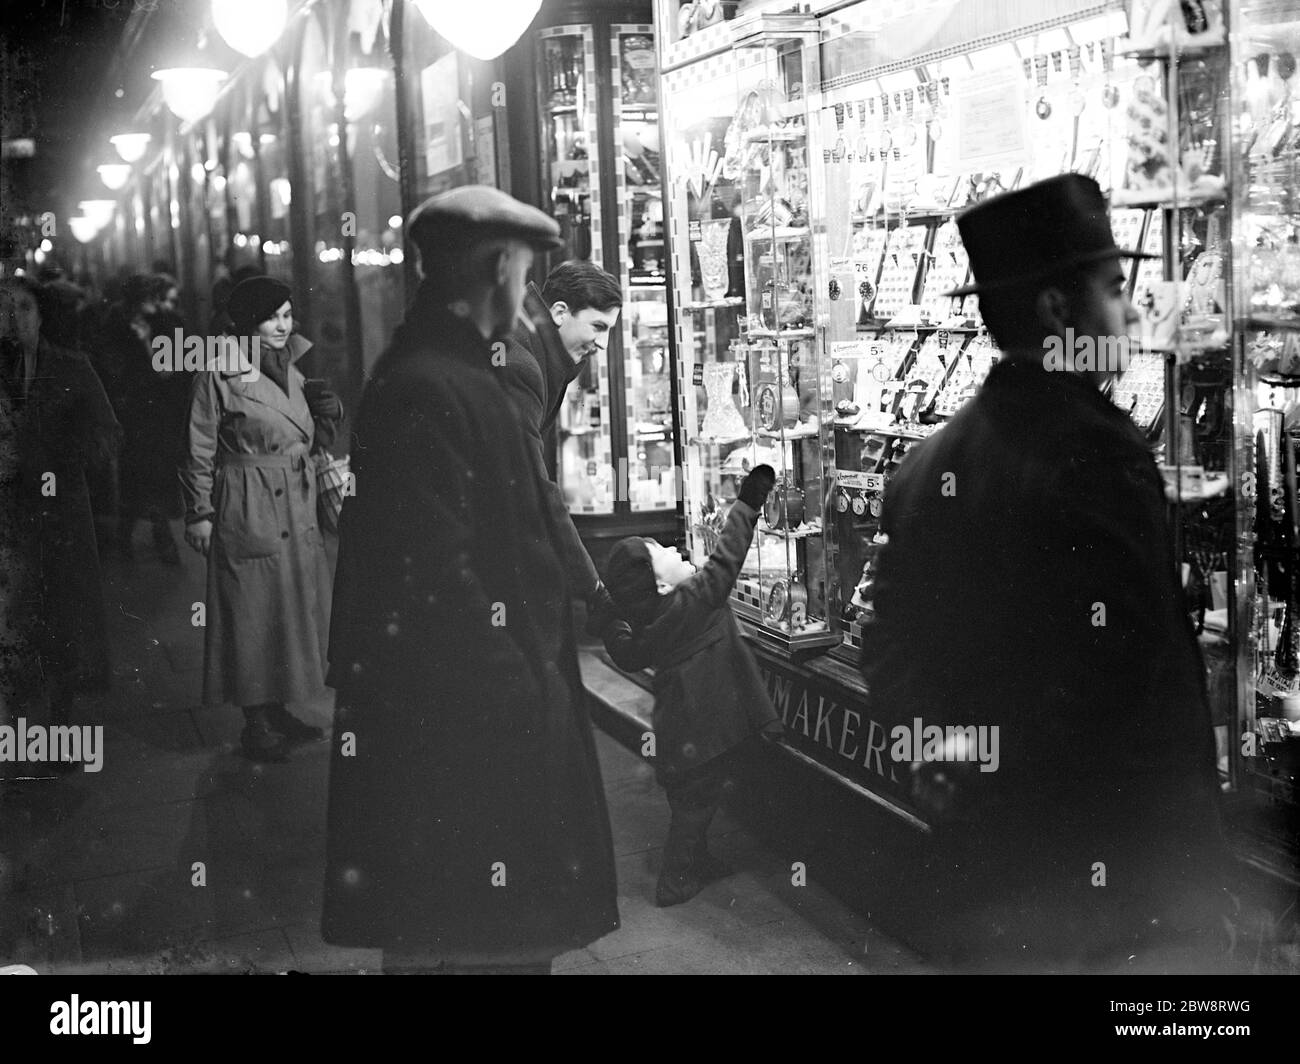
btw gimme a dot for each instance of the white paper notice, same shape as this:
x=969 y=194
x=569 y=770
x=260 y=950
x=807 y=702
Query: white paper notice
x=992 y=131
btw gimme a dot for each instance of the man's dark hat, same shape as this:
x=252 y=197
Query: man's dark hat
x=255 y=300
x=476 y=212
x=1036 y=232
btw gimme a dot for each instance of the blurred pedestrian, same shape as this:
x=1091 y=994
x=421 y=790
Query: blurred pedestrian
x=60 y=427
x=250 y=494
x=153 y=405
x=459 y=696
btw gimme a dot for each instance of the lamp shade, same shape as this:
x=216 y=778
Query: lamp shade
x=250 y=26
x=99 y=211
x=114 y=175
x=483 y=28
x=130 y=146
x=190 y=92
x=84 y=229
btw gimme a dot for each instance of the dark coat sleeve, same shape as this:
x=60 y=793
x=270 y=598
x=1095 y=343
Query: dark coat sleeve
x=711 y=586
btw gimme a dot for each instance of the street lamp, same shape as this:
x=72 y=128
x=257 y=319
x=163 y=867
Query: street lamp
x=190 y=92
x=114 y=175
x=83 y=229
x=131 y=146
x=250 y=26
x=99 y=211
x=482 y=28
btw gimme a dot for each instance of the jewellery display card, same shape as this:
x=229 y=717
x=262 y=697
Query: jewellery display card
x=970 y=367
x=868 y=256
x=1149 y=168
x=1140 y=390
x=1149 y=271
x=903 y=256
x=949 y=266
x=928 y=372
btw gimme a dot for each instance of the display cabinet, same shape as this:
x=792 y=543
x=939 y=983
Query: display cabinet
x=742 y=196
x=598 y=108
x=1263 y=271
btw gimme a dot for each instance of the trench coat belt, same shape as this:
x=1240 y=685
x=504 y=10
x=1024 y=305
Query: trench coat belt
x=268 y=461
x=299 y=463
x=705 y=639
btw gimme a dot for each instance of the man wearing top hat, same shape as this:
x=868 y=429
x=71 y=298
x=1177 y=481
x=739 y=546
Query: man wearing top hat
x=467 y=825
x=1029 y=584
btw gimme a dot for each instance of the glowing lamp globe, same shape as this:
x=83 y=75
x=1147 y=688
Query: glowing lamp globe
x=130 y=146
x=250 y=27
x=114 y=175
x=190 y=93
x=84 y=229
x=99 y=211
x=484 y=28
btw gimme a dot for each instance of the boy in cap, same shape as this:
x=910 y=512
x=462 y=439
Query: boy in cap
x=709 y=694
x=1028 y=587
x=467 y=825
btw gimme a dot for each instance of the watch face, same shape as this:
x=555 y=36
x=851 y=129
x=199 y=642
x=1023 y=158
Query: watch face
x=778 y=600
x=859 y=505
x=842 y=502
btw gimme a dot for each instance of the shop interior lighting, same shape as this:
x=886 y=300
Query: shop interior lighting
x=483 y=28
x=131 y=146
x=250 y=27
x=190 y=93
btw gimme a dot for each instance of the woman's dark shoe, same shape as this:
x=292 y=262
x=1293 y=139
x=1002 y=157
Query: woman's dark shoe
x=293 y=729
x=673 y=889
x=259 y=742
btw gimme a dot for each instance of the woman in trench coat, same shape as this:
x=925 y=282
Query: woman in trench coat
x=250 y=502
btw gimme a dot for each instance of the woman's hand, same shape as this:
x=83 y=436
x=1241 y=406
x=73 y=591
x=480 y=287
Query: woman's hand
x=199 y=536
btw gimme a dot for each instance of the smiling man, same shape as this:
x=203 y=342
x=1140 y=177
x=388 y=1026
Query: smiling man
x=565 y=323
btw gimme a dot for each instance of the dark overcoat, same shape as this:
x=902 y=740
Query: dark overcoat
x=66 y=428
x=709 y=693
x=537 y=373
x=467 y=818
x=1029 y=583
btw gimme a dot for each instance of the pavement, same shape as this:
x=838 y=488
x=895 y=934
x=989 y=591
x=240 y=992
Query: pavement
x=180 y=856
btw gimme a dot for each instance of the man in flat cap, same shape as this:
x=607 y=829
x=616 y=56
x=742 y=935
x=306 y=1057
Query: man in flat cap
x=1028 y=585
x=467 y=820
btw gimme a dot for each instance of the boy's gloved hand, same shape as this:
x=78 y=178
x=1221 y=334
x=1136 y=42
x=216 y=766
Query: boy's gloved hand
x=756 y=487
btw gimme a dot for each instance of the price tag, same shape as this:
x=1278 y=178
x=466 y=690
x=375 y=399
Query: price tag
x=855 y=480
x=694 y=232
x=697 y=375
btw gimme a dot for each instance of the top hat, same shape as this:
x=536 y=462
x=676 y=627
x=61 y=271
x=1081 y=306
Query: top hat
x=1039 y=231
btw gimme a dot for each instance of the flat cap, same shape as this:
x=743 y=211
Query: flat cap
x=477 y=212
